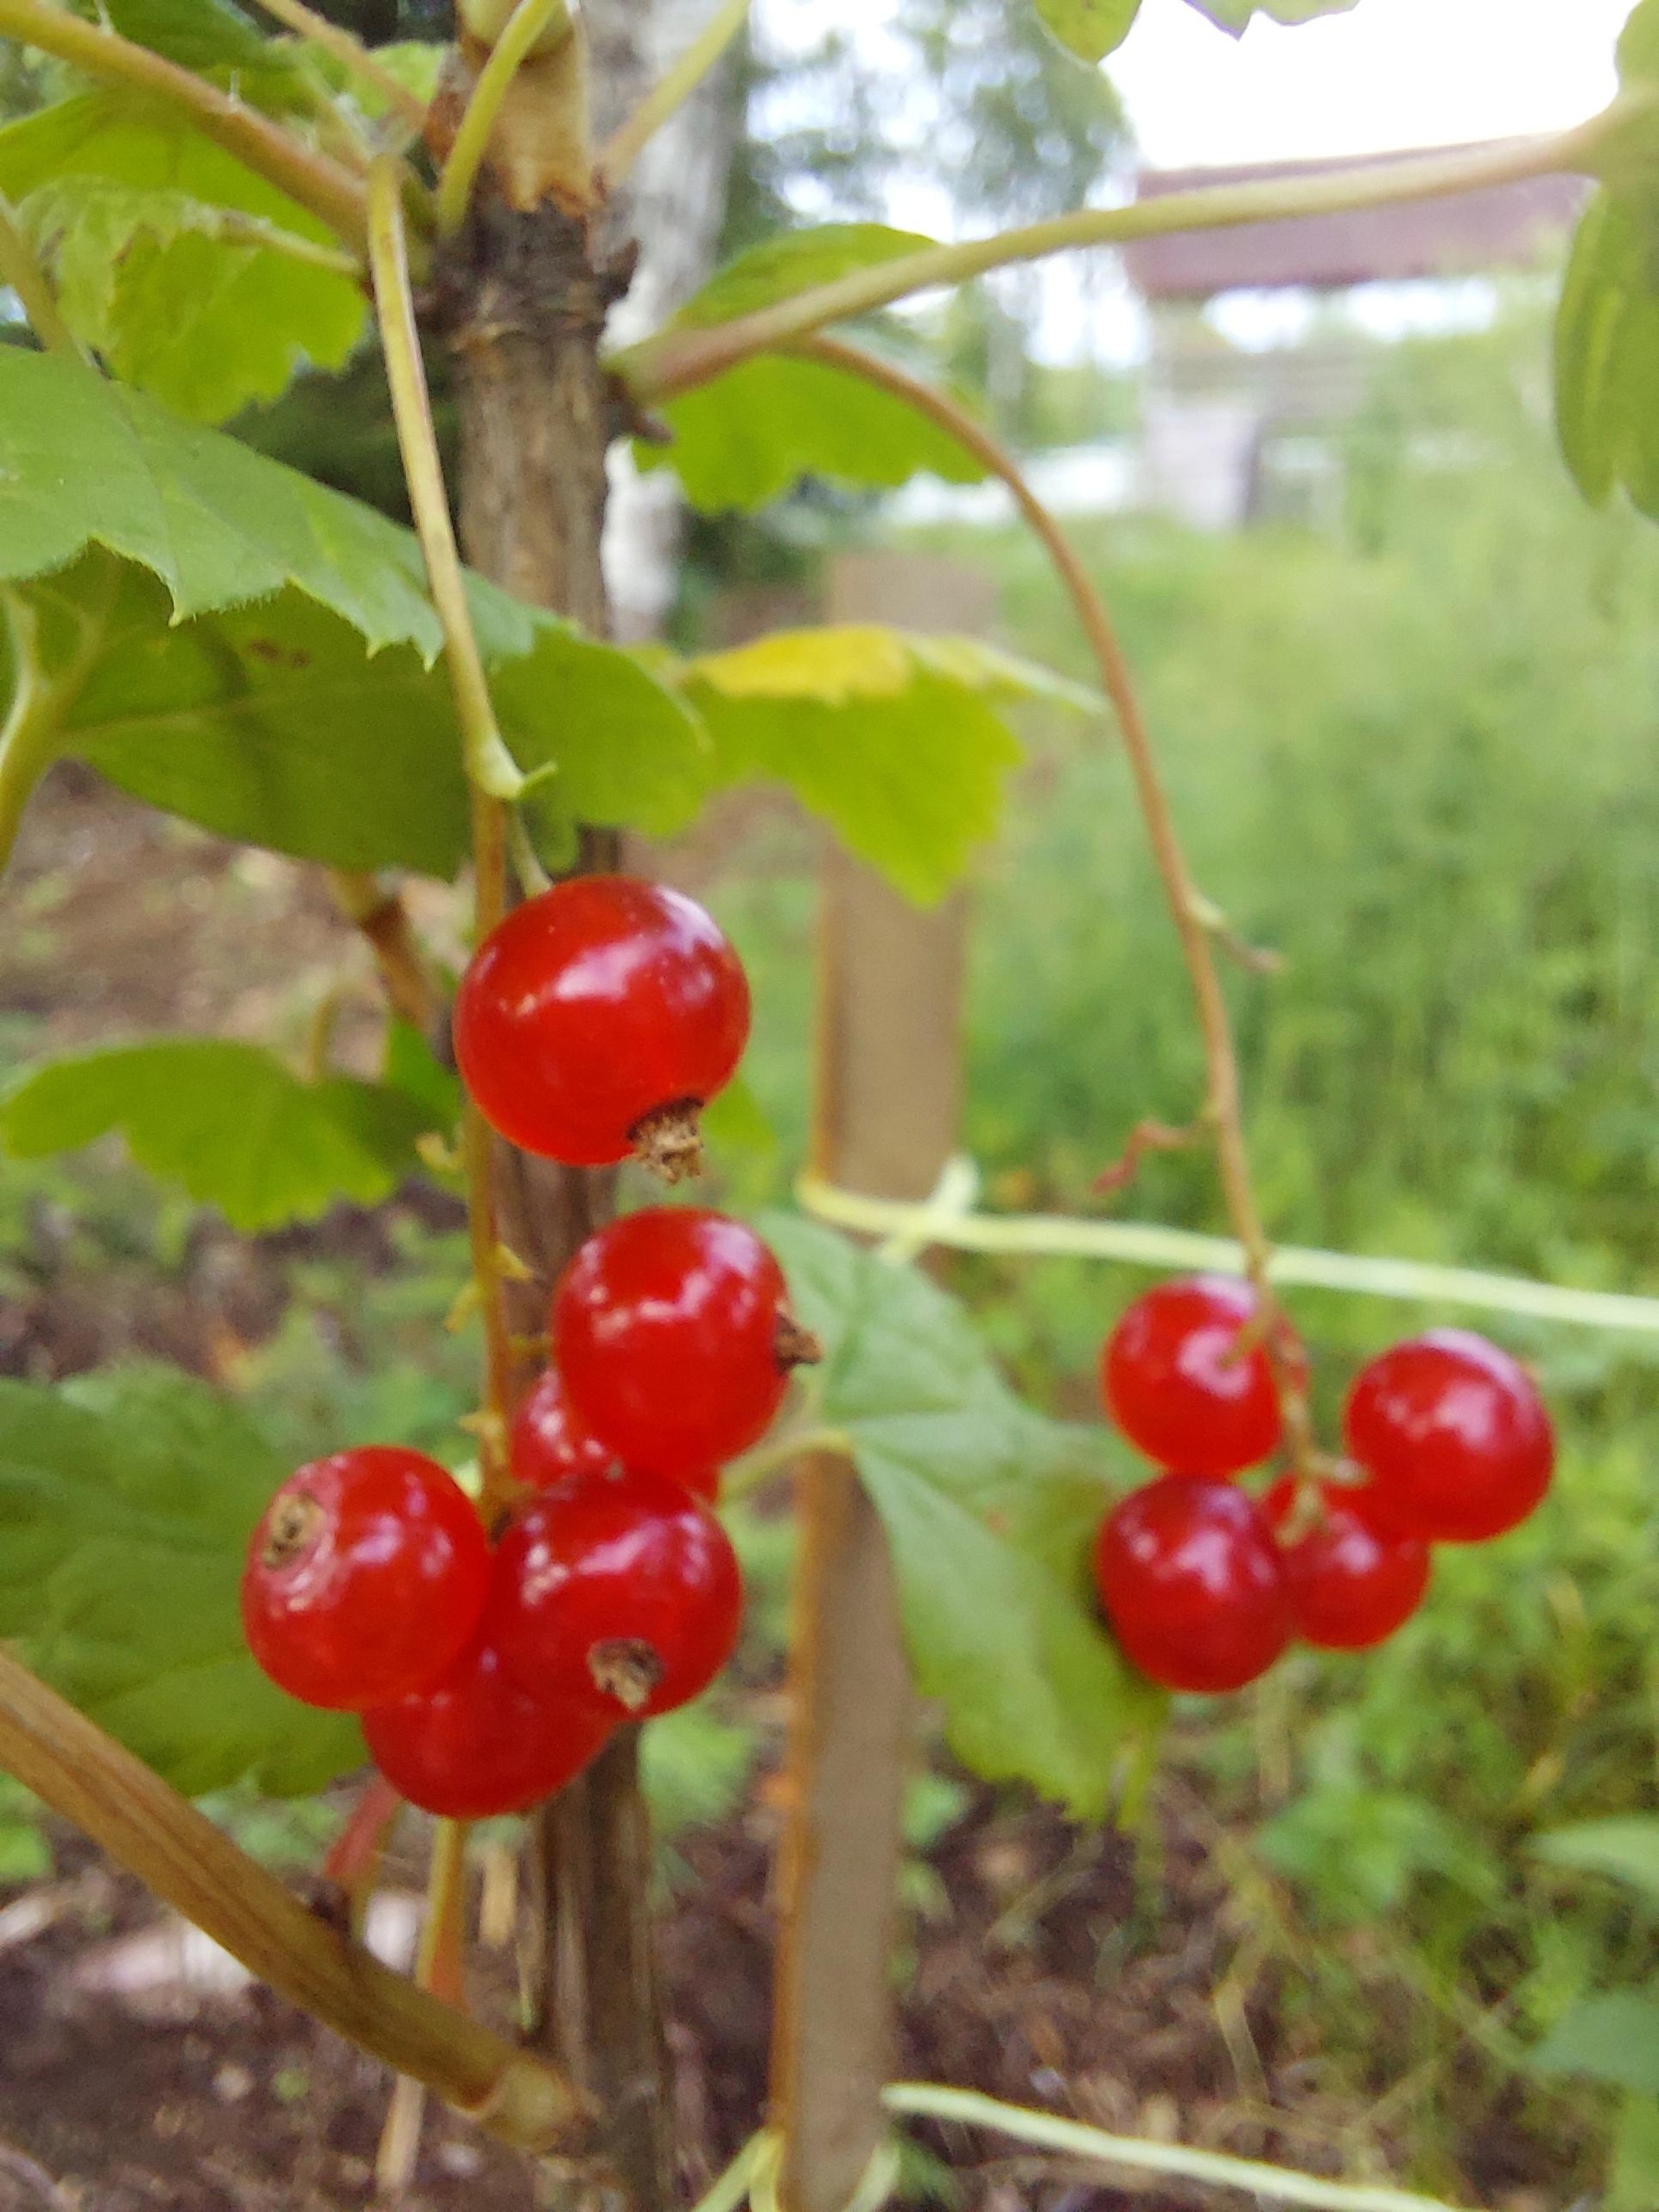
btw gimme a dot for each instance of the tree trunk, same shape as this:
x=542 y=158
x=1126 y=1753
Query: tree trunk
x=522 y=303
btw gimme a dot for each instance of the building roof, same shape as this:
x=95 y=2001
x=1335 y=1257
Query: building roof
x=1504 y=226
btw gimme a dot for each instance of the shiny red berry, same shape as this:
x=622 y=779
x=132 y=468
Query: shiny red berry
x=1177 y=1382
x=364 y=1578
x=549 y=1442
x=1191 y=1581
x=1351 y=1583
x=673 y=1333
x=1453 y=1435
x=596 y=1018
x=480 y=1744
x=620 y=1585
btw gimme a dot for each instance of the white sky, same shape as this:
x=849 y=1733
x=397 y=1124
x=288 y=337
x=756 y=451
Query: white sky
x=1392 y=72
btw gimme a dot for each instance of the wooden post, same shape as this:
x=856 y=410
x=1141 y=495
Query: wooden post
x=887 y=1086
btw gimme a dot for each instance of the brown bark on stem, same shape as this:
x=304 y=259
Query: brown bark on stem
x=522 y=304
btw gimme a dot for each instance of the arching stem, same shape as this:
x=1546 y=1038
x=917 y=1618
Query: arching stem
x=681 y=356
x=1222 y=1107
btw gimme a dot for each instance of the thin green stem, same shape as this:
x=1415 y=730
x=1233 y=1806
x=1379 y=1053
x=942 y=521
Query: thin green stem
x=1072 y=2139
x=1148 y=1244
x=495 y=775
x=437 y=1970
x=29 y=738
x=669 y=93
x=681 y=356
x=489 y=764
x=146 y=1827
x=729 y=2189
x=1190 y=911
x=351 y=53
x=529 y=20
x=330 y=192
x=257 y=232
x=19 y=269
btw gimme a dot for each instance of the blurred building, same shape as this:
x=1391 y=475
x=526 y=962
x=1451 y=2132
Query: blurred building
x=1262 y=341
x=1231 y=433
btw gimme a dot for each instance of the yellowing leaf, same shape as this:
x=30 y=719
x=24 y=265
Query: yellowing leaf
x=895 y=740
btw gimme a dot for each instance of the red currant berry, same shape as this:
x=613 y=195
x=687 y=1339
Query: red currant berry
x=1190 y=1578
x=549 y=1442
x=674 y=1338
x=1178 y=1384
x=365 y=1579
x=1351 y=1584
x=480 y=1744
x=620 y=1584
x=1453 y=1435
x=596 y=1018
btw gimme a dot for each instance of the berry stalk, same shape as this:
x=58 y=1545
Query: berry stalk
x=1223 y=1109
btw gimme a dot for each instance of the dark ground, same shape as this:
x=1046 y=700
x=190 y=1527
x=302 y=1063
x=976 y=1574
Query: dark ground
x=1037 y=1966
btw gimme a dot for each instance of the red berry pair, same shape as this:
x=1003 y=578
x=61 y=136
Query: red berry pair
x=597 y=1018
x=1204 y=1586
x=486 y=1678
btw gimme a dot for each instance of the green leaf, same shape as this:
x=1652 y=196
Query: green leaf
x=780 y=267
x=1088 y=29
x=988 y=1509
x=1234 y=16
x=1607 y=353
x=1633 y=2179
x=410 y=1067
x=174 y=260
x=1637 y=52
x=897 y=740
x=83 y=461
x=1627 y=1848
x=1613 y=2038
x=226 y=1122
x=126 y=1501
x=263 y=662
x=748 y=435
x=1358 y=1850
x=213 y=39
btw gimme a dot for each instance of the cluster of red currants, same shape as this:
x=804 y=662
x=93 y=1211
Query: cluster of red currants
x=1205 y=1585
x=594 y=1021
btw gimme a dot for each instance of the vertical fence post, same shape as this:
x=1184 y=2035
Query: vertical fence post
x=887 y=1084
